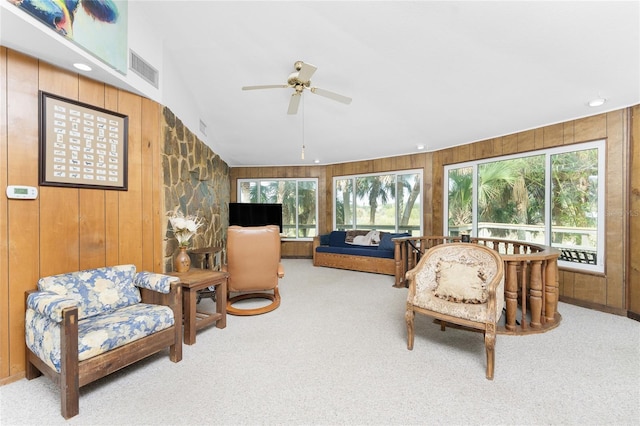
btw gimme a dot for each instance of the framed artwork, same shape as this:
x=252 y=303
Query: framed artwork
x=99 y=27
x=81 y=146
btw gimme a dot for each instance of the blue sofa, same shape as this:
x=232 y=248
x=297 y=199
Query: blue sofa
x=331 y=250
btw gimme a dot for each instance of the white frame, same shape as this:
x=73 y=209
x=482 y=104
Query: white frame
x=390 y=172
x=600 y=145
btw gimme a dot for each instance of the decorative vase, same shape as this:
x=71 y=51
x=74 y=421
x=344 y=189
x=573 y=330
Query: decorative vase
x=182 y=261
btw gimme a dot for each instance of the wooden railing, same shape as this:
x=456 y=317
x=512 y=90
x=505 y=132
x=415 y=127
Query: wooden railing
x=531 y=278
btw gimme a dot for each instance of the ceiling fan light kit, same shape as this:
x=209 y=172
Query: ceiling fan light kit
x=299 y=80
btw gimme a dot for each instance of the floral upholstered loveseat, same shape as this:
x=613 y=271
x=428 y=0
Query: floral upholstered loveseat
x=81 y=326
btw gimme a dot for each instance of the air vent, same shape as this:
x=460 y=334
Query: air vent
x=143 y=69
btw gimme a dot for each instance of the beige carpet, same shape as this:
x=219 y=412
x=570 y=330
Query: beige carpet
x=334 y=353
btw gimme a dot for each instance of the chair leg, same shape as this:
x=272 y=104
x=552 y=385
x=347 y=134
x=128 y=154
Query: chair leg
x=30 y=371
x=490 y=343
x=443 y=325
x=69 y=369
x=409 y=317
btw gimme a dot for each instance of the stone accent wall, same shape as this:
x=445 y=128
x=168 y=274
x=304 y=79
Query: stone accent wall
x=197 y=180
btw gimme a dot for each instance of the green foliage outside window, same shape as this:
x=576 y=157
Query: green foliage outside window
x=385 y=202
x=510 y=199
x=297 y=196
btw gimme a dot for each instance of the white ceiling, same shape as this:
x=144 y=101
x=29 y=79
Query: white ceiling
x=438 y=74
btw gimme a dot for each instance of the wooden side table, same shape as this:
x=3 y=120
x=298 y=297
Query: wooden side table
x=197 y=279
x=212 y=257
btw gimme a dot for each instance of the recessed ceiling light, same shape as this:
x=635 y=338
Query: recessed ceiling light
x=597 y=102
x=316 y=161
x=420 y=146
x=82 y=67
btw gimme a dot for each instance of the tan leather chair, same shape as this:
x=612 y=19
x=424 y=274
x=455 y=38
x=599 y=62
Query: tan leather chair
x=458 y=283
x=253 y=264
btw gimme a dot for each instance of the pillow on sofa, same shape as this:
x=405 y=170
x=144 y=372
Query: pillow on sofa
x=336 y=239
x=386 y=242
x=351 y=235
x=325 y=239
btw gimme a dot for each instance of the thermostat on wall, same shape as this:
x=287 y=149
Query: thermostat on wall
x=22 y=192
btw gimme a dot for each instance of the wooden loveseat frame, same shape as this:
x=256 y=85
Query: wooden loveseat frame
x=75 y=374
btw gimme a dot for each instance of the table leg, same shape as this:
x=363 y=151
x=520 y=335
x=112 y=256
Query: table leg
x=221 y=304
x=189 y=303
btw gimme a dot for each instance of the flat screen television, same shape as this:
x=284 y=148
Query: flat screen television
x=255 y=214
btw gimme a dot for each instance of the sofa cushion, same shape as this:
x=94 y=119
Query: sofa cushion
x=97 y=291
x=96 y=334
x=371 y=251
x=386 y=242
x=337 y=239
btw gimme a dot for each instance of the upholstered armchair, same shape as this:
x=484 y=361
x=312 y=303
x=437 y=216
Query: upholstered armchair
x=459 y=283
x=253 y=264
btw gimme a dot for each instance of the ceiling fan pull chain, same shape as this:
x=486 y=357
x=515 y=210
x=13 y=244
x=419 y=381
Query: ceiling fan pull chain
x=303 y=110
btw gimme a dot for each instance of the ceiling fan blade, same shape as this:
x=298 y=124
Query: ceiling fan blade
x=267 y=86
x=306 y=71
x=331 y=95
x=294 y=103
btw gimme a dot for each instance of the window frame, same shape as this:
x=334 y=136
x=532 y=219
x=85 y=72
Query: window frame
x=600 y=145
x=258 y=182
x=395 y=173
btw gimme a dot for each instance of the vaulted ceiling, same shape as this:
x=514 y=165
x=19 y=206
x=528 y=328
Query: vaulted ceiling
x=428 y=73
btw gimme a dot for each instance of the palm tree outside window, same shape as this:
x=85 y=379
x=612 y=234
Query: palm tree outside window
x=390 y=201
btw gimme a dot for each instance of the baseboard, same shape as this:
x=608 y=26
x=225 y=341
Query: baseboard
x=11 y=379
x=633 y=315
x=594 y=306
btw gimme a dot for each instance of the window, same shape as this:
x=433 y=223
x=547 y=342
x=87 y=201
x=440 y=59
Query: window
x=299 y=199
x=386 y=202
x=553 y=197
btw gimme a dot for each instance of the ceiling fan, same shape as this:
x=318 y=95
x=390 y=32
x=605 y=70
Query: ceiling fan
x=299 y=80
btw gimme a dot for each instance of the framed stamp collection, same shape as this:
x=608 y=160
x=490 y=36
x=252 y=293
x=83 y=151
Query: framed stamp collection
x=81 y=146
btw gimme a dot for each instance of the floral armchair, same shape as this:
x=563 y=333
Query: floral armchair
x=84 y=325
x=459 y=283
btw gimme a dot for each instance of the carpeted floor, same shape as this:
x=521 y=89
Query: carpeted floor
x=335 y=353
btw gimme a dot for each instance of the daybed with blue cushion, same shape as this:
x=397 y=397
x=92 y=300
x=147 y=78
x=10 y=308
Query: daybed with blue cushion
x=336 y=250
x=84 y=325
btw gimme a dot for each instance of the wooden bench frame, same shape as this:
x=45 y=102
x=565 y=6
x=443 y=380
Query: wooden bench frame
x=376 y=265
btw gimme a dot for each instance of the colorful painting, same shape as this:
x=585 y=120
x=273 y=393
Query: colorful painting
x=98 y=26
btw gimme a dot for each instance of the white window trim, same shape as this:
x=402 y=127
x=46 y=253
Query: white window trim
x=548 y=152
x=390 y=172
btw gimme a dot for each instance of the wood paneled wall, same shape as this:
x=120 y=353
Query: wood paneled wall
x=68 y=229
x=607 y=292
